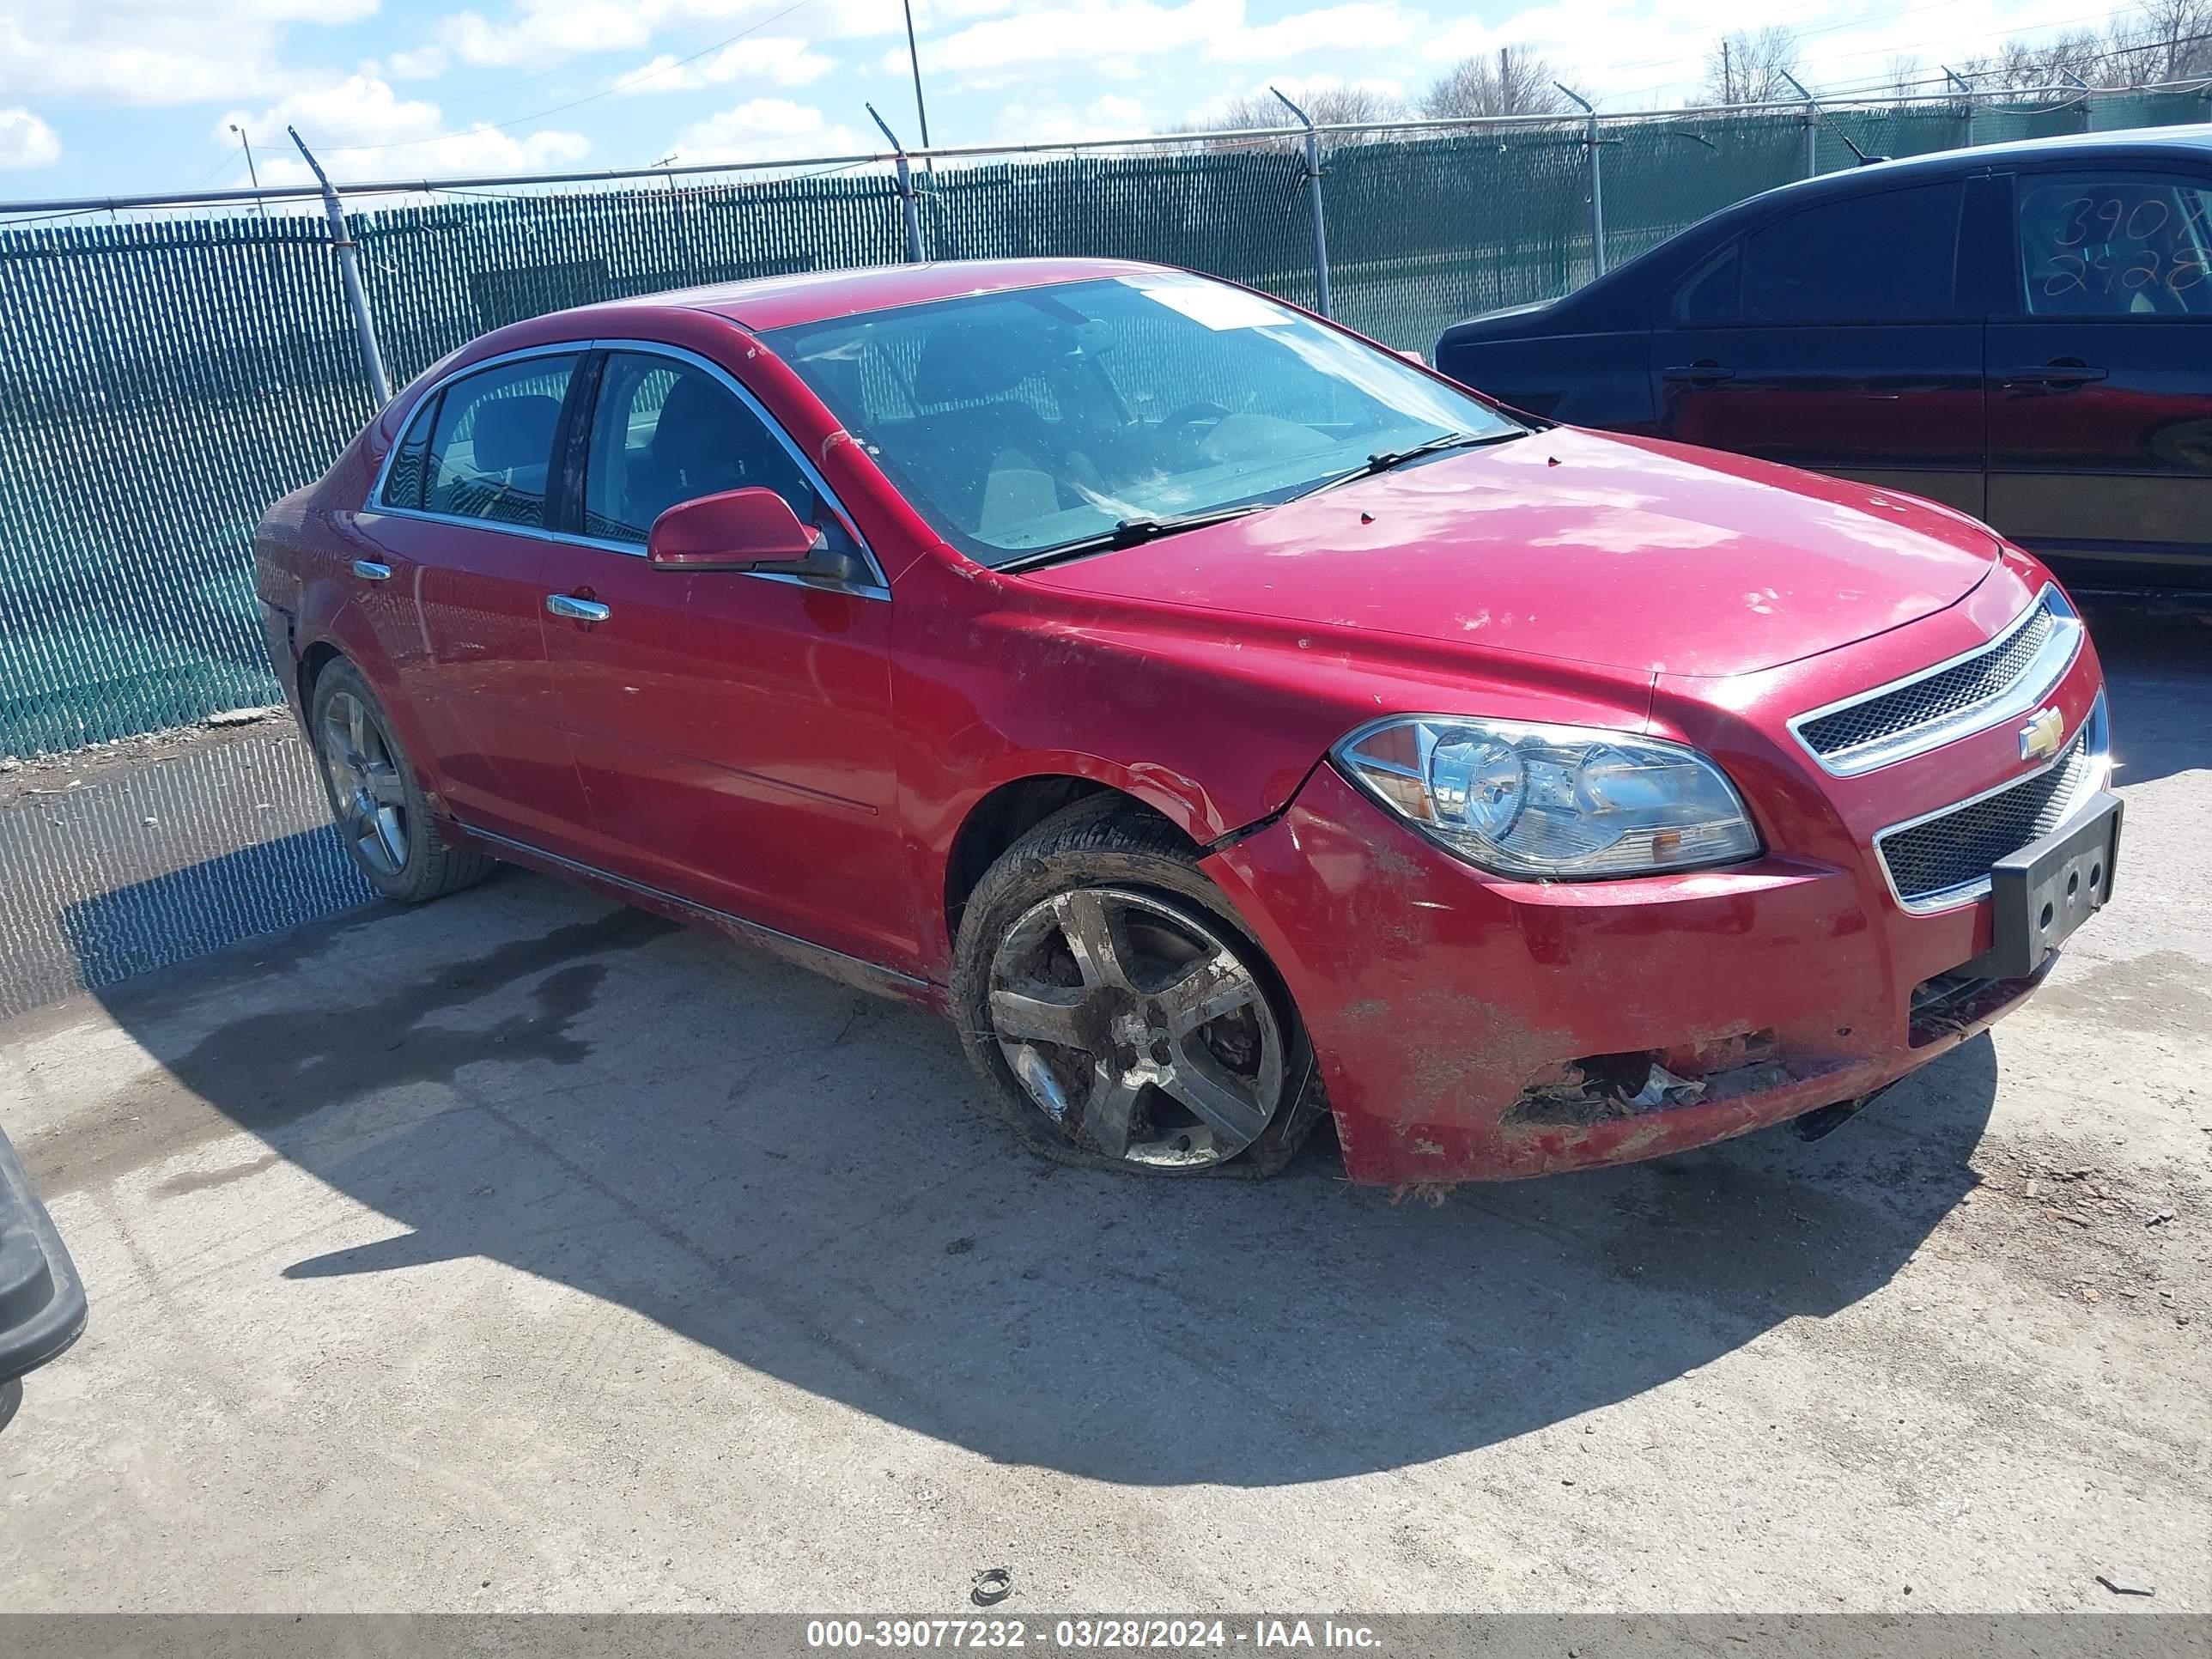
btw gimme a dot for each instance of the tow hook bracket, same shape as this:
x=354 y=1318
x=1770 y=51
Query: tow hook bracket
x=1824 y=1121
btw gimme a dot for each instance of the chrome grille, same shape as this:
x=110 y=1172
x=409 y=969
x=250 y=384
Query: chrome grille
x=1981 y=678
x=1956 y=850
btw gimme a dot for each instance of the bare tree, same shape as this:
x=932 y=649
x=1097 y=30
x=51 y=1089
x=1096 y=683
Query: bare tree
x=1327 y=105
x=1747 y=67
x=1514 y=83
x=2166 y=41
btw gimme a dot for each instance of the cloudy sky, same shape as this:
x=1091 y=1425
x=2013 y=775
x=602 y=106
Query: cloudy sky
x=113 y=96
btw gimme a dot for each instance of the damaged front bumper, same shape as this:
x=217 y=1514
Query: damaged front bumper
x=1473 y=1028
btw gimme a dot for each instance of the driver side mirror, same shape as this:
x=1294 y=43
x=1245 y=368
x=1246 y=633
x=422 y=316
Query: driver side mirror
x=733 y=531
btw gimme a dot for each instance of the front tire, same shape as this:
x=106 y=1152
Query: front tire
x=389 y=829
x=1118 y=1013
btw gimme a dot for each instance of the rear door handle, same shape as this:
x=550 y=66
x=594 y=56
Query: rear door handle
x=1697 y=374
x=2063 y=372
x=576 y=610
x=369 y=571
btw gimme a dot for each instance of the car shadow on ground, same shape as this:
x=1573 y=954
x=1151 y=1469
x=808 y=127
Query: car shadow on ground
x=805 y=1180
x=2155 y=652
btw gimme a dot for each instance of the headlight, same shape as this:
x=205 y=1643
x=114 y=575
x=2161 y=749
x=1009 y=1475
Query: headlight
x=1557 y=801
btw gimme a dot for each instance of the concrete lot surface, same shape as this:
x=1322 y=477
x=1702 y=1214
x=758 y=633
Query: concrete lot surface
x=524 y=1252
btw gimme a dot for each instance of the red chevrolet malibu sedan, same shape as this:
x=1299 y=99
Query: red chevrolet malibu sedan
x=1223 y=718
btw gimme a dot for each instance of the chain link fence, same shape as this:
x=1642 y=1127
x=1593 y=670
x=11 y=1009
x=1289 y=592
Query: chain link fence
x=161 y=382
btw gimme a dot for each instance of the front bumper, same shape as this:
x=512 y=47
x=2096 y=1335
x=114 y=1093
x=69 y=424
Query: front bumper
x=1471 y=1028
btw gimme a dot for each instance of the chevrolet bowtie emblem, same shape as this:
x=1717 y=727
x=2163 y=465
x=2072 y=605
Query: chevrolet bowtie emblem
x=2040 y=737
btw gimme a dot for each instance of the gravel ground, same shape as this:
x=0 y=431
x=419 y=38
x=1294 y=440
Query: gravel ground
x=523 y=1252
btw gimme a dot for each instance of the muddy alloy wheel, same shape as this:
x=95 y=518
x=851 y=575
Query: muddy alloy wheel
x=1136 y=1028
x=366 y=786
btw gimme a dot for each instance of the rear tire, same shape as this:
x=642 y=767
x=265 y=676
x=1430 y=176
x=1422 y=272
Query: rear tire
x=1119 y=1014
x=386 y=823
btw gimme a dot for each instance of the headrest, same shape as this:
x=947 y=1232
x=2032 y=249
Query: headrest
x=966 y=362
x=695 y=423
x=516 y=432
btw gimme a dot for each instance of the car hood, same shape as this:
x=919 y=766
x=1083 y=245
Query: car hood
x=1627 y=553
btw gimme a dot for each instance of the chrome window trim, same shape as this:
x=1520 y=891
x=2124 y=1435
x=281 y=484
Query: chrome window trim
x=2098 y=756
x=2051 y=663
x=877 y=589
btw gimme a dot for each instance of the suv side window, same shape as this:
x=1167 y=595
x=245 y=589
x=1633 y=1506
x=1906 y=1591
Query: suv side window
x=2115 y=246
x=1886 y=257
x=491 y=447
x=664 y=431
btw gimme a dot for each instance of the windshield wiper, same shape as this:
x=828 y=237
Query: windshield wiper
x=1384 y=461
x=1129 y=533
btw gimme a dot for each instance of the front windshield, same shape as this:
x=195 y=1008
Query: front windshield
x=1022 y=423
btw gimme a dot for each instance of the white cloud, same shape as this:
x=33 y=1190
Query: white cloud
x=154 y=52
x=360 y=127
x=1360 y=28
x=1109 y=117
x=1108 y=37
x=421 y=63
x=783 y=60
x=538 y=33
x=26 y=140
x=766 y=130
x=1087 y=30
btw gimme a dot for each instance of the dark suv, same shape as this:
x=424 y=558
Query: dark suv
x=2023 y=331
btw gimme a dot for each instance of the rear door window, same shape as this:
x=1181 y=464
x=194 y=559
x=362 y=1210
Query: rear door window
x=2115 y=246
x=1890 y=257
x=491 y=449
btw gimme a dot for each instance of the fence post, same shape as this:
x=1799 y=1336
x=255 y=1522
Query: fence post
x=1313 y=198
x=1596 y=183
x=1812 y=128
x=1967 y=88
x=364 y=325
x=914 y=250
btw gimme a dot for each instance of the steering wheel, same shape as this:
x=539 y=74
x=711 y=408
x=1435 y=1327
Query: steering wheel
x=1179 y=426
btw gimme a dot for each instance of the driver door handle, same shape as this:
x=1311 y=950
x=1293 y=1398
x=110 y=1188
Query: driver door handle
x=1699 y=373
x=2067 y=371
x=576 y=610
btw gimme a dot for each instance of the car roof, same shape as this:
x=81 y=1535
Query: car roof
x=814 y=296
x=2193 y=143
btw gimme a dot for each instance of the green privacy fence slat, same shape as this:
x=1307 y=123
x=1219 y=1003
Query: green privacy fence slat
x=161 y=383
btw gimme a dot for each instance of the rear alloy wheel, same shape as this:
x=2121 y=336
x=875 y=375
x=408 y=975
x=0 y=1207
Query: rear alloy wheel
x=367 y=792
x=1117 y=1010
x=1136 y=1028
x=383 y=817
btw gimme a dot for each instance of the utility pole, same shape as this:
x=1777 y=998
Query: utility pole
x=914 y=60
x=250 y=171
x=1728 y=73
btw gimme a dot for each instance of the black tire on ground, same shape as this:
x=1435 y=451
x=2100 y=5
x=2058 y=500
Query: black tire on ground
x=364 y=769
x=1107 y=841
